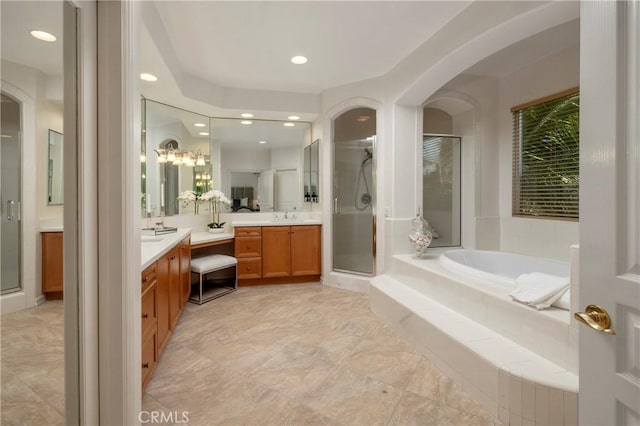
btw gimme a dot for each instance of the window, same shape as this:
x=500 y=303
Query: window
x=546 y=157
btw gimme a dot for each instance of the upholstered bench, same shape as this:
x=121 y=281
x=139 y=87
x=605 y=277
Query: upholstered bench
x=225 y=280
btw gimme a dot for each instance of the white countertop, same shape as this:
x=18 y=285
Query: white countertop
x=287 y=222
x=155 y=246
x=207 y=237
x=51 y=228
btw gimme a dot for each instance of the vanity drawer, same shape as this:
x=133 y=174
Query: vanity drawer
x=248 y=231
x=249 y=268
x=149 y=310
x=248 y=247
x=148 y=277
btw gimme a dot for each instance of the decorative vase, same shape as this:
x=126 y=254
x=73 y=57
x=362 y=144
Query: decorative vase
x=216 y=230
x=420 y=236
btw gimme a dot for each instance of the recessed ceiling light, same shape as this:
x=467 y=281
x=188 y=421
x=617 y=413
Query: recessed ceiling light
x=293 y=117
x=289 y=124
x=148 y=77
x=363 y=118
x=246 y=122
x=262 y=142
x=5 y=136
x=43 y=35
x=299 y=60
x=199 y=124
x=246 y=115
x=204 y=133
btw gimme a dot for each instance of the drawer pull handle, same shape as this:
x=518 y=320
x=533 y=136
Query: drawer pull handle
x=172 y=257
x=145 y=316
x=145 y=365
x=145 y=279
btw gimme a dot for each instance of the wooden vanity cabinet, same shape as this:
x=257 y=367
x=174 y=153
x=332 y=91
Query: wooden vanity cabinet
x=248 y=251
x=52 y=265
x=149 y=323
x=278 y=254
x=165 y=290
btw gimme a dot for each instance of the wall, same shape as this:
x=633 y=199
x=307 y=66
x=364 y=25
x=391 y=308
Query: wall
x=537 y=237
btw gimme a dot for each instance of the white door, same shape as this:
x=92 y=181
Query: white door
x=610 y=211
x=286 y=189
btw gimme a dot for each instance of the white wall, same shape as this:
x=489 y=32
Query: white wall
x=537 y=237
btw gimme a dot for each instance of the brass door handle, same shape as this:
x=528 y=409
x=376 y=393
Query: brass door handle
x=595 y=317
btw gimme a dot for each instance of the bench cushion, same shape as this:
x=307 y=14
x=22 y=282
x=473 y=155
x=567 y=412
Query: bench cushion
x=202 y=265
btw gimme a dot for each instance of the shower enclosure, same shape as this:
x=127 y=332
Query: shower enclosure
x=10 y=184
x=441 y=189
x=353 y=192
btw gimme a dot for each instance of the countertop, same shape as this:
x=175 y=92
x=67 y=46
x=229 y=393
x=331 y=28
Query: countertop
x=51 y=228
x=155 y=246
x=207 y=237
x=287 y=222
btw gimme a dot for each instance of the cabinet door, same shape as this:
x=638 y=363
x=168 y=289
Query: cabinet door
x=249 y=268
x=175 y=287
x=276 y=251
x=185 y=269
x=52 y=275
x=149 y=357
x=305 y=250
x=162 y=297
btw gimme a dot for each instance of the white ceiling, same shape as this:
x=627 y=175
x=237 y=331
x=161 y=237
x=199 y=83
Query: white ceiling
x=18 y=19
x=249 y=44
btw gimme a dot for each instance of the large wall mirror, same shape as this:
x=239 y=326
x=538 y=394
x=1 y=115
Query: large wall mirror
x=176 y=158
x=55 y=169
x=261 y=163
x=311 y=172
x=258 y=164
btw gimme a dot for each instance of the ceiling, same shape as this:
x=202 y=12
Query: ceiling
x=249 y=44
x=18 y=19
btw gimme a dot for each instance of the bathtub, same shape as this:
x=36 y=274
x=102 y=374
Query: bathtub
x=454 y=307
x=500 y=267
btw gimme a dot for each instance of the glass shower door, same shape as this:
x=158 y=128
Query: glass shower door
x=10 y=225
x=353 y=190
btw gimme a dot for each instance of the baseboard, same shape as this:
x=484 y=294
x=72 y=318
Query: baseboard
x=40 y=300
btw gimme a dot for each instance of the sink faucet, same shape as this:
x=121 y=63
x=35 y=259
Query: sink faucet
x=286 y=215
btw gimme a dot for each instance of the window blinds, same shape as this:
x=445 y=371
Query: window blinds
x=546 y=157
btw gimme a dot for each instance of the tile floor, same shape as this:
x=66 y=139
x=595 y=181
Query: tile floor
x=270 y=355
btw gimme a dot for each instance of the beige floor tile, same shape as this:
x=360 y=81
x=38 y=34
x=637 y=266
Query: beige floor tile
x=420 y=411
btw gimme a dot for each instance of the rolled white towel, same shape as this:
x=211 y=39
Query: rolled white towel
x=539 y=289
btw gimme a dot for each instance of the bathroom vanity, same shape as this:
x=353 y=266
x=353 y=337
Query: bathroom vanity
x=277 y=252
x=166 y=283
x=52 y=272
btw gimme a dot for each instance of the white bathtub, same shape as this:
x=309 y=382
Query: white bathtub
x=500 y=267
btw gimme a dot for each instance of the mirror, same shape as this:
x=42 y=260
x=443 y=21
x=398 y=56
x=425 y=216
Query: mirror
x=311 y=175
x=261 y=163
x=175 y=158
x=55 y=169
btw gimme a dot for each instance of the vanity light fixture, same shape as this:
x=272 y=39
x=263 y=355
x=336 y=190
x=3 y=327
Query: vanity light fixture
x=246 y=115
x=148 y=77
x=293 y=117
x=299 y=60
x=171 y=156
x=246 y=122
x=287 y=124
x=162 y=155
x=204 y=133
x=143 y=158
x=199 y=124
x=200 y=160
x=43 y=35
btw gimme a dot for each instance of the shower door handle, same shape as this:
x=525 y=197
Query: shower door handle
x=336 y=205
x=11 y=210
